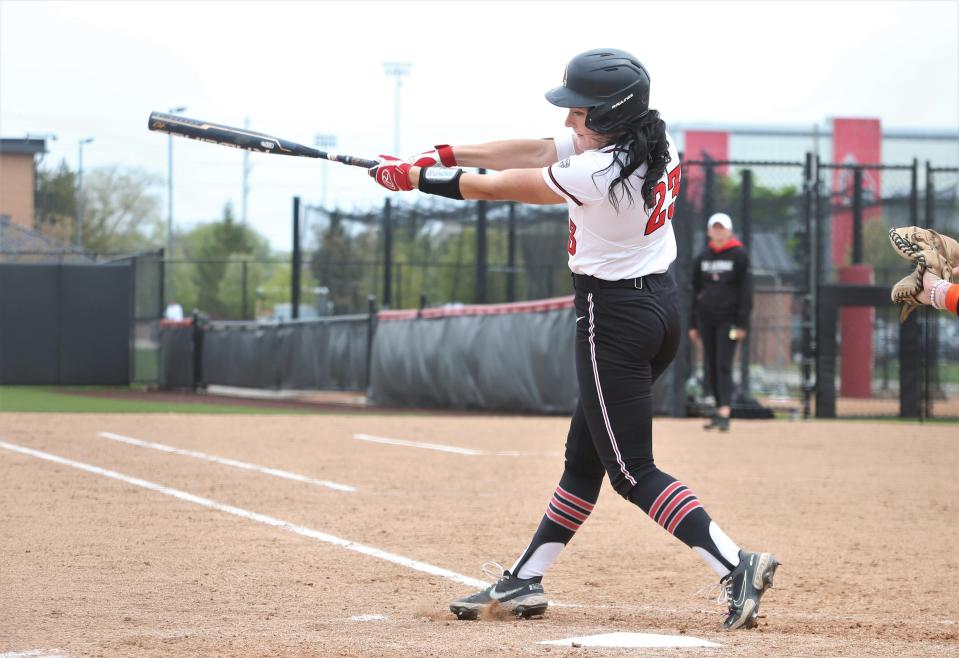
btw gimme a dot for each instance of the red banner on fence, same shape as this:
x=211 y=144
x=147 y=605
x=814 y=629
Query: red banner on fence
x=703 y=145
x=854 y=141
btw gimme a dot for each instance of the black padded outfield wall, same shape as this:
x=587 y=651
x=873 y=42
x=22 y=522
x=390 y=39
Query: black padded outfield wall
x=511 y=361
x=95 y=307
x=327 y=354
x=65 y=324
x=507 y=357
x=176 y=355
x=29 y=324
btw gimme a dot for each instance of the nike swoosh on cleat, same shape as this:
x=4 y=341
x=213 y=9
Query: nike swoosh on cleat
x=501 y=595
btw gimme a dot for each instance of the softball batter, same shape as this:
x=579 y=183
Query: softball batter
x=619 y=174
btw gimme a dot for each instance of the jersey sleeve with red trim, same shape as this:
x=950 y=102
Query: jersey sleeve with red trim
x=574 y=178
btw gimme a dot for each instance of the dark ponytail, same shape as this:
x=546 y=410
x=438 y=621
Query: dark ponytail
x=643 y=140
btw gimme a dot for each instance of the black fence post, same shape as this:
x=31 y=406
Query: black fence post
x=197 y=350
x=511 y=254
x=132 y=327
x=243 y=311
x=370 y=331
x=163 y=275
x=411 y=256
x=827 y=349
x=857 y=216
x=708 y=208
x=931 y=365
x=683 y=226
x=809 y=256
x=928 y=322
x=824 y=210
x=399 y=285
x=295 y=278
x=910 y=375
x=823 y=215
x=709 y=185
x=818 y=270
x=387 y=253
x=480 y=294
x=746 y=193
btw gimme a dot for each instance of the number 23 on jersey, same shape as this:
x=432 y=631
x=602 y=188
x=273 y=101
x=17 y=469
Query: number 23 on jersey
x=657 y=219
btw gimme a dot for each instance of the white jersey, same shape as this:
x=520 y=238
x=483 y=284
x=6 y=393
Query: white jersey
x=611 y=245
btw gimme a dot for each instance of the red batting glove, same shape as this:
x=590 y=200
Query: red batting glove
x=393 y=174
x=441 y=154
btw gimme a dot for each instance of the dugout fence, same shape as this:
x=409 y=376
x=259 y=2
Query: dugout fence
x=807 y=224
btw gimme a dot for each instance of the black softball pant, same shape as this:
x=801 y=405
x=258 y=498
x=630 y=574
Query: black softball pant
x=718 y=354
x=625 y=339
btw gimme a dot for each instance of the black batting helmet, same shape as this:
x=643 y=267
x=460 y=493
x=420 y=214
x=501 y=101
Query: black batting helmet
x=610 y=82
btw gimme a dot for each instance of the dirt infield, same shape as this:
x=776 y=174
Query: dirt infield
x=862 y=515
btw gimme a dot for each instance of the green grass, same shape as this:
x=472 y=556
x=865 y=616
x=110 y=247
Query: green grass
x=70 y=400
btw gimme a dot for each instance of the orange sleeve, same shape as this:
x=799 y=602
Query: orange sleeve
x=952 y=298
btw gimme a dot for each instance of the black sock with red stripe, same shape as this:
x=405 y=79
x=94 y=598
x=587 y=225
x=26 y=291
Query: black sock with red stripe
x=671 y=504
x=569 y=507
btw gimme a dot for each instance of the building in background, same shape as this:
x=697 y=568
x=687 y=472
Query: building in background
x=18 y=178
x=842 y=141
x=940 y=146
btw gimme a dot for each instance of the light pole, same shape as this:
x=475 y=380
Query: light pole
x=80 y=144
x=397 y=70
x=324 y=142
x=169 y=206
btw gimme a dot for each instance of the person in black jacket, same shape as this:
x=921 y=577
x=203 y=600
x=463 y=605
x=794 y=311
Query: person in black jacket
x=722 y=302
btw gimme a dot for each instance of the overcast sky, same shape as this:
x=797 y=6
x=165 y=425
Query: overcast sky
x=479 y=71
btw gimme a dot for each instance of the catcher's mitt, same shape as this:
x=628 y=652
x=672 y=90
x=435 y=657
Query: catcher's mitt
x=929 y=251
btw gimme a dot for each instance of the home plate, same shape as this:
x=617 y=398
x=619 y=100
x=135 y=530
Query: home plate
x=619 y=640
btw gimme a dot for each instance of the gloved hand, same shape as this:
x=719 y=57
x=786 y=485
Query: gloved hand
x=393 y=174
x=441 y=154
x=930 y=251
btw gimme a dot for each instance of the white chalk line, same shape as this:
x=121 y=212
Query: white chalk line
x=290 y=527
x=35 y=653
x=227 y=462
x=418 y=444
x=254 y=516
x=362 y=548
x=469 y=452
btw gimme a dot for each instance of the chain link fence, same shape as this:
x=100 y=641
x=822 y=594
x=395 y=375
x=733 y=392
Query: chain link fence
x=769 y=207
x=807 y=225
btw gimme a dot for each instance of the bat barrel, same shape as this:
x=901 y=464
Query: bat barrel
x=242 y=138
